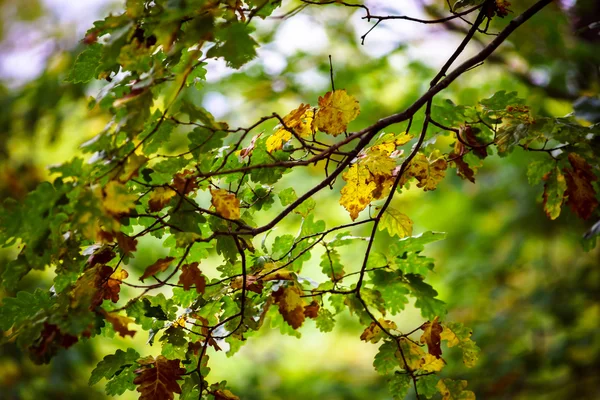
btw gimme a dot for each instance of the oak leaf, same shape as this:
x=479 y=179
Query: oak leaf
x=413 y=354
x=554 y=190
x=336 y=110
x=389 y=142
x=157 y=379
x=373 y=333
x=133 y=164
x=119 y=323
x=117 y=199
x=396 y=223
x=432 y=363
x=431 y=336
x=111 y=283
x=225 y=394
x=226 y=204
x=191 y=275
x=291 y=305
x=429 y=171
x=312 y=310
x=454 y=390
x=580 y=191
x=159 y=198
x=126 y=243
x=185 y=182
x=358 y=191
x=159 y=266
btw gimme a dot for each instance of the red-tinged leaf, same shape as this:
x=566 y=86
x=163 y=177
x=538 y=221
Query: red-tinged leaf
x=119 y=323
x=467 y=134
x=191 y=275
x=554 y=190
x=431 y=335
x=49 y=342
x=157 y=379
x=159 y=266
x=581 y=195
x=126 y=243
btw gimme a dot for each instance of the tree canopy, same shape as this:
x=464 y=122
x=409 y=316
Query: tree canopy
x=195 y=179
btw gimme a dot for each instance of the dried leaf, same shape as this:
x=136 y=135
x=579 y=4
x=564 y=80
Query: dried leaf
x=226 y=204
x=159 y=266
x=580 y=191
x=431 y=336
x=157 y=379
x=191 y=275
x=119 y=323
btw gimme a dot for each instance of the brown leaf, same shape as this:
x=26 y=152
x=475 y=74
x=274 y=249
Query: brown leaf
x=185 y=182
x=157 y=379
x=312 y=309
x=109 y=283
x=126 y=243
x=118 y=322
x=49 y=342
x=101 y=257
x=467 y=134
x=159 y=266
x=580 y=191
x=291 y=305
x=191 y=275
x=431 y=336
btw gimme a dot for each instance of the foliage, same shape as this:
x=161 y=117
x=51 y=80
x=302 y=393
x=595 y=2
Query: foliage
x=222 y=196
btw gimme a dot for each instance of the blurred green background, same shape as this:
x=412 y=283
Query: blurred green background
x=523 y=283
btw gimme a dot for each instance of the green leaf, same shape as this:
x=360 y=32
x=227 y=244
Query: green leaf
x=398 y=385
x=113 y=363
x=385 y=361
x=325 y=321
x=396 y=223
x=425 y=298
x=25 y=305
x=538 y=169
x=234 y=44
x=86 y=64
x=426 y=385
x=554 y=190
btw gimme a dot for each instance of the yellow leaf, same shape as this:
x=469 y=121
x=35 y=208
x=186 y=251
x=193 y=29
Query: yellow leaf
x=378 y=162
x=428 y=171
x=291 y=305
x=389 y=142
x=226 y=204
x=119 y=323
x=160 y=197
x=117 y=199
x=336 y=110
x=432 y=363
x=413 y=354
x=358 y=192
x=278 y=139
x=396 y=223
x=373 y=333
x=299 y=120
x=450 y=337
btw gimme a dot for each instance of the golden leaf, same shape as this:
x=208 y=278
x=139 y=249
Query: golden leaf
x=336 y=110
x=226 y=204
x=117 y=199
x=432 y=363
x=373 y=333
x=133 y=164
x=454 y=390
x=278 y=139
x=389 y=142
x=299 y=121
x=358 y=191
